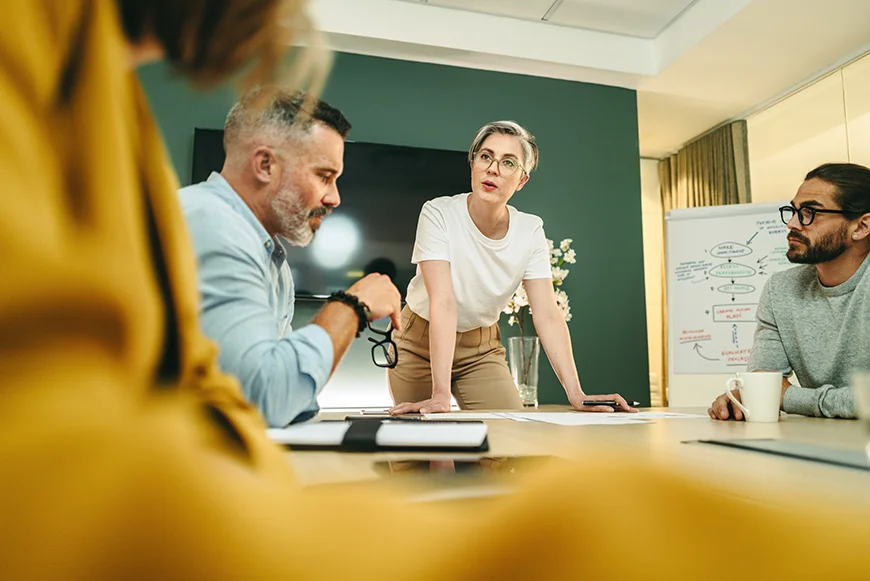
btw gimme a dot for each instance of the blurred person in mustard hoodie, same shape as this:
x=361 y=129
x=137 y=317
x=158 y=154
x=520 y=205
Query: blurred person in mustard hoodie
x=126 y=453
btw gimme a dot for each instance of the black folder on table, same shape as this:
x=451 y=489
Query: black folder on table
x=376 y=435
x=850 y=458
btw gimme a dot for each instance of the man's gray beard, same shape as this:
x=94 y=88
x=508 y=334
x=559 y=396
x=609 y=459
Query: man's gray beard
x=293 y=218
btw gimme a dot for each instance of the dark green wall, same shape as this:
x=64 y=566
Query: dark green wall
x=587 y=186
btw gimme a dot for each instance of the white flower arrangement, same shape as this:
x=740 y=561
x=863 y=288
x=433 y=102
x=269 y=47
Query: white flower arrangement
x=559 y=257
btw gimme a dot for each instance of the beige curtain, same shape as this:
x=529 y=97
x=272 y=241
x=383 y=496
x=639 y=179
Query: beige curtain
x=712 y=170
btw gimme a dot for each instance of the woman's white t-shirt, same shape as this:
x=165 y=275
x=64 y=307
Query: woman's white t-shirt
x=485 y=272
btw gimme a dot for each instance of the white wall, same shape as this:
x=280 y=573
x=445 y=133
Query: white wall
x=653 y=241
x=827 y=121
x=856 y=83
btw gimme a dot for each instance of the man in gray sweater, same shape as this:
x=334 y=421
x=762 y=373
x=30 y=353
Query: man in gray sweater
x=814 y=319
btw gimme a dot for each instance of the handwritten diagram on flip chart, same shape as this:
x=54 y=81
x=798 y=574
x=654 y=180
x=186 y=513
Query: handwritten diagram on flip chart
x=718 y=260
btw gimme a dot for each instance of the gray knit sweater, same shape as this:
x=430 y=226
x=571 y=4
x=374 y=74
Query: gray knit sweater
x=820 y=333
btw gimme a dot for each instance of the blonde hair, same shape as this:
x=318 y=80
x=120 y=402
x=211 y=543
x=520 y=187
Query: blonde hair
x=523 y=135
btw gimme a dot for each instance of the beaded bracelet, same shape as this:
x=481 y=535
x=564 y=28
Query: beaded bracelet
x=362 y=310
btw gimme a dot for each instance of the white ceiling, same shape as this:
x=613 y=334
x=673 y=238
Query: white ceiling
x=639 y=18
x=767 y=49
x=694 y=63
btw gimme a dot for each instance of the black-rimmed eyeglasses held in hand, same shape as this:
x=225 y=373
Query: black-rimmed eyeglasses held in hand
x=384 y=353
x=806 y=214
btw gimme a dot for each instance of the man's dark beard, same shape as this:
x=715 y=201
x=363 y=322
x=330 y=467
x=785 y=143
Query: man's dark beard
x=826 y=249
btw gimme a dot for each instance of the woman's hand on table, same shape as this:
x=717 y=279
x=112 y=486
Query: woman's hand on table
x=436 y=404
x=577 y=403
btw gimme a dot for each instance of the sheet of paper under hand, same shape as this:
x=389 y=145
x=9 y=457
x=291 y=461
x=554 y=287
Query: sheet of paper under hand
x=578 y=419
x=467 y=416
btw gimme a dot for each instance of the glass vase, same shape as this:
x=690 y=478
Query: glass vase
x=523 y=354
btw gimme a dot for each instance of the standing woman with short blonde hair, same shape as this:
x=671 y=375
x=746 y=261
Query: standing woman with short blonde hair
x=472 y=251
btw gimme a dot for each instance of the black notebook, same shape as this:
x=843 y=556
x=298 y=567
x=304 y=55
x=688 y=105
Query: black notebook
x=375 y=435
x=814 y=452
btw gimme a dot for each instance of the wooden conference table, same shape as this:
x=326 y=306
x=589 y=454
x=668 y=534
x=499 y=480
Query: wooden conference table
x=752 y=475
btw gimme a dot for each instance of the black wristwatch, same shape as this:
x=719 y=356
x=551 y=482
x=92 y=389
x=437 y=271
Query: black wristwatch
x=362 y=310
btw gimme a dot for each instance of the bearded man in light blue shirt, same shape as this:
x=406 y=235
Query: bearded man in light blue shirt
x=284 y=154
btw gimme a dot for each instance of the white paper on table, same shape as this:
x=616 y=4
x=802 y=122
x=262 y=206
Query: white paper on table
x=579 y=419
x=466 y=416
x=668 y=415
x=508 y=416
x=476 y=416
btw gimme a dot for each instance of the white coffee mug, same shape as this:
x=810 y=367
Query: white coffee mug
x=760 y=395
x=861 y=391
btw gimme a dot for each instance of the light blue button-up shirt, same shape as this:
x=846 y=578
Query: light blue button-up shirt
x=247 y=299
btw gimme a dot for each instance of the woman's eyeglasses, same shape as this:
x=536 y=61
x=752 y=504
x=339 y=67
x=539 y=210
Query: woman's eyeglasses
x=384 y=353
x=507 y=166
